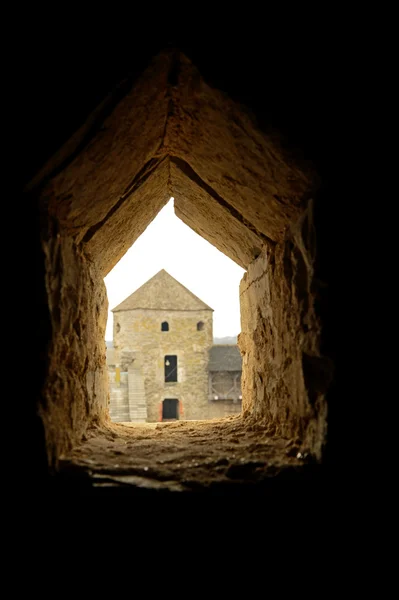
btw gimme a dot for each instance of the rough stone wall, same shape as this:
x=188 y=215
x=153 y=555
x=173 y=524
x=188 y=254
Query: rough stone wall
x=105 y=185
x=221 y=408
x=139 y=331
x=118 y=179
x=119 y=402
x=284 y=376
x=118 y=397
x=245 y=185
x=171 y=131
x=75 y=393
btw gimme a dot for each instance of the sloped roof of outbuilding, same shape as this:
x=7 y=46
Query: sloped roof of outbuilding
x=225 y=358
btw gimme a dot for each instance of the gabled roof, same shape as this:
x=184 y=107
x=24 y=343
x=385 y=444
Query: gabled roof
x=225 y=358
x=162 y=292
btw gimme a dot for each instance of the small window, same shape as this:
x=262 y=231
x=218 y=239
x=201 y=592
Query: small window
x=118 y=328
x=165 y=326
x=170 y=368
x=200 y=326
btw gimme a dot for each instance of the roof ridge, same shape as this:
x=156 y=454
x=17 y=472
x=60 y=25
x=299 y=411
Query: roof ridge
x=152 y=299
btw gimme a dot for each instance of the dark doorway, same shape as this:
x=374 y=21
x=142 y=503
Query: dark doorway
x=170 y=409
x=171 y=367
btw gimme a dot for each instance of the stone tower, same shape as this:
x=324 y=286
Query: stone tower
x=162 y=336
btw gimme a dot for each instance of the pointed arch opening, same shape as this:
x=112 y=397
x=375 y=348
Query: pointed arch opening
x=235 y=186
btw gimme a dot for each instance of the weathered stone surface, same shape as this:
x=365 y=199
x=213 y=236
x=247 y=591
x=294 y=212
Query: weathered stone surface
x=108 y=183
x=136 y=392
x=119 y=397
x=139 y=331
x=110 y=157
x=196 y=456
x=109 y=240
x=225 y=149
x=113 y=175
x=141 y=343
x=208 y=216
x=75 y=394
x=284 y=376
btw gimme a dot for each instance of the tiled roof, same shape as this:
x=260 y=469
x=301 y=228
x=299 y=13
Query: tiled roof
x=225 y=358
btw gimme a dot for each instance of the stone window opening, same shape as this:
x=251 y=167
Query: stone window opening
x=165 y=326
x=200 y=326
x=284 y=383
x=170 y=368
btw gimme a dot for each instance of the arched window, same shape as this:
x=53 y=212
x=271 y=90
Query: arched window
x=200 y=326
x=165 y=326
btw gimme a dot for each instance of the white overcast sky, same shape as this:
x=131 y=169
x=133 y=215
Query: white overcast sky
x=169 y=244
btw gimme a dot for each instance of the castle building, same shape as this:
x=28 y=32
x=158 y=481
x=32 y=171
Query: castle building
x=163 y=364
